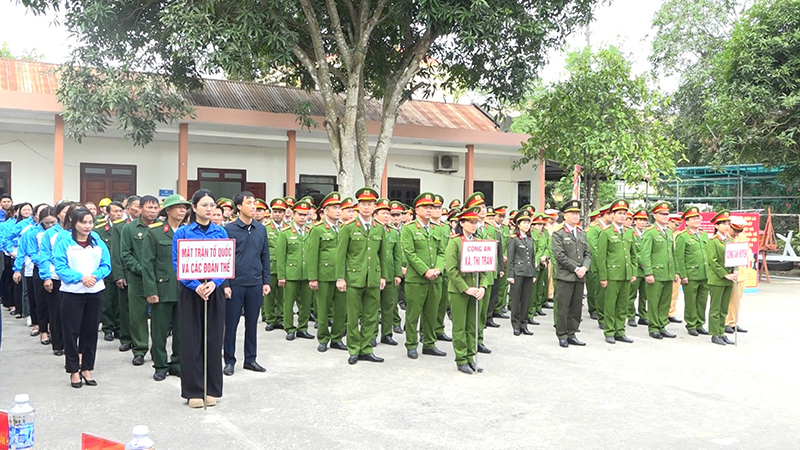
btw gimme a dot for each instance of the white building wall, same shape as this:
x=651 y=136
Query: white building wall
x=31 y=157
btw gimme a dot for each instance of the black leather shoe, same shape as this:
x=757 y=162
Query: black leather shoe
x=108 y=337
x=117 y=335
x=491 y=323
x=444 y=338
x=740 y=329
x=77 y=385
x=279 y=326
x=563 y=343
x=371 y=358
x=125 y=347
x=290 y=337
x=593 y=316
x=702 y=331
x=656 y=335
x=526 y=332
x=160 y=376
x=517 y=332
x=624 y=339
x=373 y=343
x=388 y=340
x=338 y=346
x=717 y=340
x=352 y=359
x=610 y=340
x=433 y=351
x=138 y=360
x=322 y=347
x=483 y=349
x=475 y=367
x=316 y=325
x=465 y=368
x=397 y=330
x=228 y=370
x=728 y=329
x=693 y=332
x=45 y=342
x=541 y=313
x=644 y=322
x=305 y=335
x=58 y=352
x=88 y=382
x=254 y=366
x=575 y=341
x=533 y=322
x=726 y=340
x=412 y=353
x=547 y=305
x=269 y=327
x=632 y=323
x=601 y=325
x=674 y=320
x=668 y=335
x=312 y=318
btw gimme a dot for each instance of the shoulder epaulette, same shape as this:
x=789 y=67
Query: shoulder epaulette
x=118 y=221
x=99 y=225
x=155 y=224
x=605 y=227
x=349 y=222
x=680 y=232
x=513 y=236
x=716 y=236
x=287 y=227
x=650 y=227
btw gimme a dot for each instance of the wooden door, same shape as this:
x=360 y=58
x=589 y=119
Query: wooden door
x=258 y=189
x=107 y=180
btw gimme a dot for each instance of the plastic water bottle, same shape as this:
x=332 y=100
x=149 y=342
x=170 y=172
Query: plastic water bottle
x=140 y=440
x=20 y=423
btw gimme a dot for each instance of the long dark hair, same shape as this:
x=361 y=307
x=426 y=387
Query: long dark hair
x=77 y=216
x=47 y=211
x=69 y=219
x=60 y=207
x=19 y=210
x=199 y=194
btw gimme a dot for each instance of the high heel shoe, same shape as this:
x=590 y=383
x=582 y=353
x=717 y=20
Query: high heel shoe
x=88 y=382
x=74 y=384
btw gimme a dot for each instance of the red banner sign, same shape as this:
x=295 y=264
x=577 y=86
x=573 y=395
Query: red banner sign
x=94 y=442
x=3 y=430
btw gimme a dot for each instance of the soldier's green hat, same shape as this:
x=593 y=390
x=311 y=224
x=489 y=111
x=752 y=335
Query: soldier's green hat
x=470 y=213
x=660 y=207
x=290 y=201
x=530 y=208
x=455 y=204
x=223 y=202
x=397 y=207
x=172 y=200
x=605 y=209
x=308 y=199
x=383 y=203
x=347 y=203
x=278 y=203
x=500 y=210
x=540 y=217
x=261 y=204
x=522 y=215
x=513 y=214
x=453 y=214
x=722 y=216
x=476 y=199
x=490 y=211
x=331 y=199
x=691 y=211
x=302 y=206
x=641 y=214
x=619 y=205
x=593 y=215
x=366 y=194
x=438 y=200
x=424 y=199
x=571 y=206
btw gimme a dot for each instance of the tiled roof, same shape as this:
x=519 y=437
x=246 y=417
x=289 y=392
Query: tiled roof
x=39 y=78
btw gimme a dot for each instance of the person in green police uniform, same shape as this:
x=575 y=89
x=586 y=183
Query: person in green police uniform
x=272 y=308
x=359 y=274
x=161 y=286
x=467 y=291
x=131 y=243
x=111 y=313
x=594 y=297
x=720 y=278
x=423 y=248
x=502 y=286
x=478 y=199
x=543 y=255
x=637 y=287
x=132 y=210
x=441 y=225
x=494 y=230
x=692 y=265
x=658 y=263
x=616 y=260
x=322 y=245
x=397 y=211
x=393 y=267
x=293 y=273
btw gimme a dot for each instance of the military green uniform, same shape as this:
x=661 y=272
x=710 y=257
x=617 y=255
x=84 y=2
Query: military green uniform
x=500 y=284
x=595 y=294
x=536 y=237
x=394 y=268
x=423 y=249
x=462 y=306
x=359 y=255
x=158 y=276
x=658 y=260
x=483 y=233
x=544 y=248
x=110 y=301
x=692 y=263
x=118 y=273
x=503 y=291
x=444 y=300
x=720 y=287
x=131 y=254
x=293 y=267
x=322 y=245
x=615 y=260
x=638 y=286
x=272 y=308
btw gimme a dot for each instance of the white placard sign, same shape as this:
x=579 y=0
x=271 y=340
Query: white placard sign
x=737 y=254
x=206 y=259
x=478 y=256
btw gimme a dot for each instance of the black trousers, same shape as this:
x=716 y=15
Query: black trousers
x=30 y=290
x=42 y=313
x=570 y=303
x=492 y=298
x=8 y=282
x=520 y=302
x=54 y=311
x=250 y=298
x=16 y=289
x=80 y=317
x=190 y=318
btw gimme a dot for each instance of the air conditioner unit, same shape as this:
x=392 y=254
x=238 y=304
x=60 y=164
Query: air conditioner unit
x=445 y=163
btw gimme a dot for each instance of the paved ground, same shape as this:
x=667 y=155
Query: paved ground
x=682 y=393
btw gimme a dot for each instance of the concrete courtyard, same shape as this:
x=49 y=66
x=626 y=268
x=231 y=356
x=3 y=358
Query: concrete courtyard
x=671 y=394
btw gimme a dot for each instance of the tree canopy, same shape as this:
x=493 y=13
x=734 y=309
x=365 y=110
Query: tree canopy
x=349 y=50
x=601 y=117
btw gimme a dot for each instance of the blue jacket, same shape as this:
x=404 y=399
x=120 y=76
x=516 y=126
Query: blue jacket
x=5 y=229
x=193 y=231
x=73 y=262
x=46 y=268
x=28 y=250
x=12 y=239
x=252 y=253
